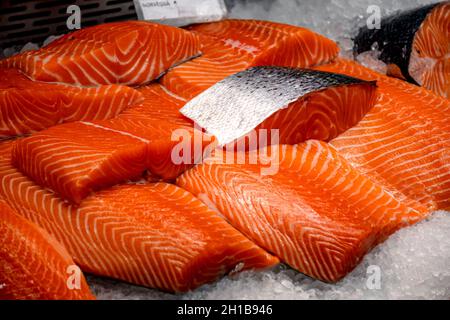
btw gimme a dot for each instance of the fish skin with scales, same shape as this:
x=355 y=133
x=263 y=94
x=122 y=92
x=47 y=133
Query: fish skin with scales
x=395 y=46
x=238 y=104
x=414 y=44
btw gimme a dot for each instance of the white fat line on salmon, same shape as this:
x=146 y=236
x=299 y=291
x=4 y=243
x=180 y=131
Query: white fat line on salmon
x=241 y=102
x=257 y=141
x=178 y=63
x=116 y=131
x=173 y=95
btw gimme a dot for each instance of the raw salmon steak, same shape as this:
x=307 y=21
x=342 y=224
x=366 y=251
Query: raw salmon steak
x=33 y=265
x=77 y=158
x=131 y=53
x=155 y=235
x=403 y=142
x=231 y=46
x=315 y=212
x=299 y=104
x=28 y=106
x=415 y=45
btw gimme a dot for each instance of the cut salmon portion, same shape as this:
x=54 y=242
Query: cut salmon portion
x=404 y=141
x=430 y=58
x=218 y=61
x=77 y=158
x=315 y=212
x=231 y=46
x=415 y=45
x=296 y=104
x=323 y=115
x=154 y=235
x=33 y=265
x=131 y=53
x=28 y=106
x=159 y=104
x=273 y=43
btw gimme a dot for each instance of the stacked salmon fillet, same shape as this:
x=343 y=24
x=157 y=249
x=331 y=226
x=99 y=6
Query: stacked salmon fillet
x=94 y=170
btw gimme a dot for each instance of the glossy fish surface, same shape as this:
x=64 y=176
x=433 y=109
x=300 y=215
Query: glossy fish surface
x=28 y=106
x=404 y=140
x=33 y=265
x=316 y=212
x=150 y=234
x=130 y=53
x=415 y=44
x=244 y=101
x=233 y=45
x=75 y=159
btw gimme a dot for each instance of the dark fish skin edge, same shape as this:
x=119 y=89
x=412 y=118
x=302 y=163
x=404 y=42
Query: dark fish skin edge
x=236 y=105
x=287 y=81
x=395 y=38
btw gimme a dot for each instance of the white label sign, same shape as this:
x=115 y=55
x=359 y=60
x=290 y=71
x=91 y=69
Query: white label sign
x=180 y=12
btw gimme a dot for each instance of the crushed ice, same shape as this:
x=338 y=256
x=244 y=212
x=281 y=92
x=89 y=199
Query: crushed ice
x=336 y=19
x=339 y=20
x=414 y=263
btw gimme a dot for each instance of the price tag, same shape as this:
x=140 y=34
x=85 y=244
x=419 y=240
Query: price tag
x=180 y=12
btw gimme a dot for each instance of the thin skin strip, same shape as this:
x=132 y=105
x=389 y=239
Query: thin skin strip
x=76 y=159
x=231 y=46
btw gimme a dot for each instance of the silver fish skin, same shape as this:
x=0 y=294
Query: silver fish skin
x=238 y=104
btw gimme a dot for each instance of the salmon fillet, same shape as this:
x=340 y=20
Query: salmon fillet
x=231 y=46
x=33 y=265
x=430 y=58
x=294 y=104
x=28 y=106
x=316 y=212
x=77 y=158
x=415 y=45
x=403 y=142
x=156 y=235
x=218 y=61
x=131 y=53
